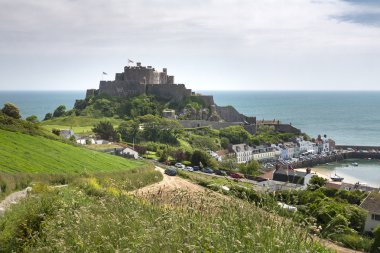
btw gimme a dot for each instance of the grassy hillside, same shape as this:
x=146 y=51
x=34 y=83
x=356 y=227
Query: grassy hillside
x=80 y=124
x=24 y=153
x=90 y=218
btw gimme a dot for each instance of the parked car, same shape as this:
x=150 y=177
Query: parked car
x=220 y=172
x=171 y=172
x=236 y=175
x=208 y=170
x=196 y=168
x=189 y=168
x=179 y=165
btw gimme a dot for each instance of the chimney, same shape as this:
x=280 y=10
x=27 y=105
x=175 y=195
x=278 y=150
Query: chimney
x=138 y=64
x=165 y=70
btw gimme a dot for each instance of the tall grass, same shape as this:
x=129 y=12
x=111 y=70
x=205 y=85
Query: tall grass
x=125 y=179
x=100 y=220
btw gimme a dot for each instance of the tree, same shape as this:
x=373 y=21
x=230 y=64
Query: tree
x=236 y=134
x=375 y=248
x=250 y=168
x=11 y=110
x=105 y=130
x=48 y=116
x=201 y=157
x=129 y=130
x=56 y=131
x=164 y=156
x=105 y=106
x=60 y=111
x=32 y=118
x=317 y=182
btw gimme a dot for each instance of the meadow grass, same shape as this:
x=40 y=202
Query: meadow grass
x=80 y=124
x=91 y=218
x=34 y=154
x=26 y=159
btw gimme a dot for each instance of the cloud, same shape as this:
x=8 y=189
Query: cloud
x=365 y=12
x=65 y=26
x=295 y=37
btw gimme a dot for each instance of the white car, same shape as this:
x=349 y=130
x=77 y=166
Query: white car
x=189 y=168
x=179 y=165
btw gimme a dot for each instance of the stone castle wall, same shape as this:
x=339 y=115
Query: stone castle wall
x=207 y=100
x=121 y=88
x=176 y=92
x=230 y=114
x=215 y=125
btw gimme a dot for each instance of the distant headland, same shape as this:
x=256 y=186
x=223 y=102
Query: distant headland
x=145 y=80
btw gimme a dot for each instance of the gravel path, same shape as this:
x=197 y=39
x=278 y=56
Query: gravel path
x=13 y=198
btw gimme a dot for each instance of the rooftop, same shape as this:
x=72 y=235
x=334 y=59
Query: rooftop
x=372 y=203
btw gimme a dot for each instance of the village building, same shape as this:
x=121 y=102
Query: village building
x=66 y=133
x=372 y=205
x=263 y=153
x=243 y=153
x=169 y=114
x=129 y=153
x=294 y=177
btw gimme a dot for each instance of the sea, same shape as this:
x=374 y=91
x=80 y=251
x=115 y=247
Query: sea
x=348 y=117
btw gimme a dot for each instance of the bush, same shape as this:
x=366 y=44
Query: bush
x=24 y=222
x=60 y=111
x=11 y=110
x=105 y=130
x=32 y=119
x=354 y=241
x=48 y=116
x=375 y=248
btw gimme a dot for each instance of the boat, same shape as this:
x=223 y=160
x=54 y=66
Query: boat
x=336 y=178
x=355 y=164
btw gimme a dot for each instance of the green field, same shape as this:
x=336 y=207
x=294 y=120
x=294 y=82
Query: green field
x=80 y=124
x=24 y=153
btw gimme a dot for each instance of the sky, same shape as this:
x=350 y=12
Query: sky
x=205 y=44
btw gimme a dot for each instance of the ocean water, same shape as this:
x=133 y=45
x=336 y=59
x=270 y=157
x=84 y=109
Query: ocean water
x=368 y=171
x=40 y=102
x=347 y=117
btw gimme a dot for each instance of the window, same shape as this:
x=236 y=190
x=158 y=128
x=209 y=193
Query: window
x=376 y=217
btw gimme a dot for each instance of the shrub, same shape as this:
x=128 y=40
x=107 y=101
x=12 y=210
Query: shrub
x=11 y=110
x=375 y=248
x=48 y=116
x=105 y=130
x=60 y=111
x=32 y=119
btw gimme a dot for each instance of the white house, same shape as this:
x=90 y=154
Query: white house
x=66 y=133
x=263 y=153
x=243 y=153
x=372 y=205
x=128 y=152
x=325 y=145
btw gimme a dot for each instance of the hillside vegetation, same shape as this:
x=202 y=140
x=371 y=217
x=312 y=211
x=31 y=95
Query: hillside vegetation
x=80 y=124
x=90 y=218
x=25 y=153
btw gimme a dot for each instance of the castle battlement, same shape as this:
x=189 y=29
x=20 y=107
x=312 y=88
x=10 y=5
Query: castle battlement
x=138 y=80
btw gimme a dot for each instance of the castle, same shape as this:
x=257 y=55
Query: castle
x=138 y=80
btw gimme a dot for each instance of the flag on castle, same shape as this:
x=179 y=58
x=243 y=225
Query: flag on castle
x=104 y=73
x=130 y=61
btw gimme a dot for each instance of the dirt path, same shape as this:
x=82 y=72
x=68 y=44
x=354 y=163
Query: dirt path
x=13 y=198
x=168 y=184
x=337 y=248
